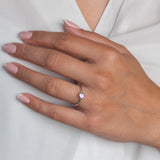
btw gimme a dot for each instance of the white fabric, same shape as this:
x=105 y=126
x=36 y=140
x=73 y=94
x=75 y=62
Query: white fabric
x=27 y=135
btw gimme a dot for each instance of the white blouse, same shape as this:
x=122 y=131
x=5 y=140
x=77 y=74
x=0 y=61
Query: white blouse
x=27 y=135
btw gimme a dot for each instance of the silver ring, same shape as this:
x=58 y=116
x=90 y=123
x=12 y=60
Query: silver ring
x=81 y=96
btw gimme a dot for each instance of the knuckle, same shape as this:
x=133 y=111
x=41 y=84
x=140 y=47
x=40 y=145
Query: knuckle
x=22 y=50
x=63 y=40
x=113 y=57
x=24 y=74
x=53 y=60
x=107 y=50
x=52 y=113
x=108 y=53
x=103 y=79
x=52 y=86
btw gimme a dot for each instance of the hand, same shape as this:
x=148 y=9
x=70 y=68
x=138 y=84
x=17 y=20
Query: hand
x=121 y=103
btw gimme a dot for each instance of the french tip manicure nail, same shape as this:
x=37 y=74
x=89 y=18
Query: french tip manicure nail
x=25 y=35
x=71 y=24
x=10 y=67
x=21 y=97
x=10 y=48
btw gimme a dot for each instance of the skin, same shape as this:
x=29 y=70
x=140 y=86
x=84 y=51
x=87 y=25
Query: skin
x=121 y=102
x=92 y=11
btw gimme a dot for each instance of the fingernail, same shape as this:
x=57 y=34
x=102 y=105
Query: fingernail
x=10 y=48
x=71 y=24
x=10 y=67
x=25 y=35
x=23 y=98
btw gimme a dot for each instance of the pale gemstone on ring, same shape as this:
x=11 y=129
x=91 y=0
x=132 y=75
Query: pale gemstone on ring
x=81 y=95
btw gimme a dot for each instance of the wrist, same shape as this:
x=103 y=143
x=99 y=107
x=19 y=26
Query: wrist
x=151 y=130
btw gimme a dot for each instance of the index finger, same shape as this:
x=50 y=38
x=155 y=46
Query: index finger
x=76 y=46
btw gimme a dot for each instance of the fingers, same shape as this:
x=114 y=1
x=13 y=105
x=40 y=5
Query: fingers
x=71 y=44
x=59 y=113
x=93 y=36
x=51 y=59
x=53 y=86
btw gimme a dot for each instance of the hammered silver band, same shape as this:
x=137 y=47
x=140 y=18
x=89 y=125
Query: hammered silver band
x=81 y=96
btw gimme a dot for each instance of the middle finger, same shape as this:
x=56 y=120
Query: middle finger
x=53 y=60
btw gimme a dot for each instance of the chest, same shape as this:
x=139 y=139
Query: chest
x=92 y=10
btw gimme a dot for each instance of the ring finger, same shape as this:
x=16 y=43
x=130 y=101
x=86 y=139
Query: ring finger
x=53 y=86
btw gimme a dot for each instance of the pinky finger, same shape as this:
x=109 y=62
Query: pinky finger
x=59 y=113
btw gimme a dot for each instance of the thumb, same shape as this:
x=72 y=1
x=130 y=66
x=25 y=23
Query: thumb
x=75 y=29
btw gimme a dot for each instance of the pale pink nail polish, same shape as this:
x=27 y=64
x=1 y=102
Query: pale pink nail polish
x=71 y=24
x=25 y=35
x=12 y=68
x=10 y=48
x=23 y=98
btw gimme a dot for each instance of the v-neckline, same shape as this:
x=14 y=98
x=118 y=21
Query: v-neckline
x=99 y=21
x=107 y=18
